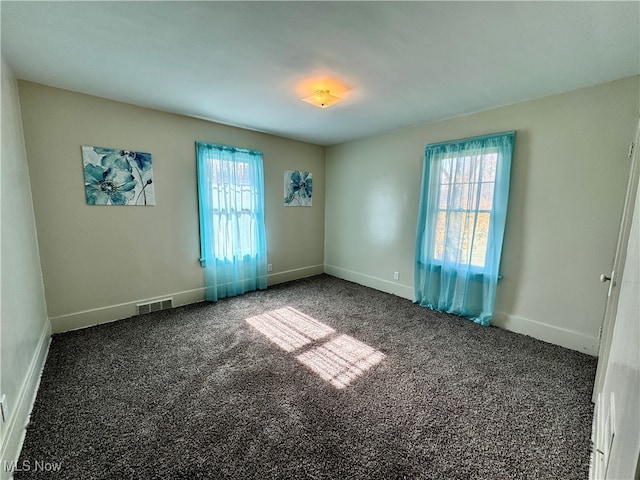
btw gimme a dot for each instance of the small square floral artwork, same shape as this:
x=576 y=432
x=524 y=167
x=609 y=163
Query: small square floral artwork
x=298 y=187
x=117 y=177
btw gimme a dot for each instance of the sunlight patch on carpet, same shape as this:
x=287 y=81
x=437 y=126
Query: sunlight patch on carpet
x=341 y=360
x=288 y=328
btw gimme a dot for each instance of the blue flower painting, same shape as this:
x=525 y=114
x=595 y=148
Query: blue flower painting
x=298 y=187
x=117 y=177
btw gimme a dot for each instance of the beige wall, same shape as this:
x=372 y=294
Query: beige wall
x=569 y=175
x=99 y=261
x=568 y=179
x=24 y=327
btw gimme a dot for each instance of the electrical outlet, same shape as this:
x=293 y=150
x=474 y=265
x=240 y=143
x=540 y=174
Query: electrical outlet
x=4 y=408
x=269 y=267
x=396 y=276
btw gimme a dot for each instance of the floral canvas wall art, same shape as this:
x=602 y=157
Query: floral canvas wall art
x=298 y=187
x=117 y=177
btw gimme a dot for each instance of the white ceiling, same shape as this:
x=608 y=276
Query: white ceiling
x=245 y=63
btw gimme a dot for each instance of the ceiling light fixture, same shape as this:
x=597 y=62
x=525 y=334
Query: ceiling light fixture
x=322 y=99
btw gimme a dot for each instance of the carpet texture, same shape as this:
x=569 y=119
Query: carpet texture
x=353 y=384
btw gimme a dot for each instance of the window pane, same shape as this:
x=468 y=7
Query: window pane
x=439 y=236
x=481 y=237
x=443 y=197
x=245 y=235
x=486 y=196
x=489 y=167
x=455 y=240
x=445 y=171
x=455 y=198
x=475 y=167
x=462 y=172
x=467 y=221
x=464 y=197
x=233 y=207
x=471 y=202
x=466 y=185
x=222 y=245
x=245 y=197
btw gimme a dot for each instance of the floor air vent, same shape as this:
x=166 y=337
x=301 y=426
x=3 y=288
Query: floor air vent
x=155 y=306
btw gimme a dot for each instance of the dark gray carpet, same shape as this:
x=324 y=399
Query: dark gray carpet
x=196 y=392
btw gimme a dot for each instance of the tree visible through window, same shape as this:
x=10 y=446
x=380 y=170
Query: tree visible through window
x=465 y=203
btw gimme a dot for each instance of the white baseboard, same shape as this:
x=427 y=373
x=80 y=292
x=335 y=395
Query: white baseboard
x=111 y=313
x=294 y=274
x=547 y=333
x=392 y=287
x=542 y=331
x=19 y=415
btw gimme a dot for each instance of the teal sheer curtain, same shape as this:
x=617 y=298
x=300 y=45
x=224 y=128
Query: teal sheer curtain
x=461 y=223
x=233 y=242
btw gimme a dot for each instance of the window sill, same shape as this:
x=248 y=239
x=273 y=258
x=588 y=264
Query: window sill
x=222 y=261
x=474 y=273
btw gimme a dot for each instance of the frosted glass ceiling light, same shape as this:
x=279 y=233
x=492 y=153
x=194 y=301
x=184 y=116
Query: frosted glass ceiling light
x=322 y=99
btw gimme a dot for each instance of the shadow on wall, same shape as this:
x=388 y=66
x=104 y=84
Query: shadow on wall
x=514 y=239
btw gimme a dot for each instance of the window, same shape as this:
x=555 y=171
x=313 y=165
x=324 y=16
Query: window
x=461 y=222
x=465 y=205
x=232 y=230
x=233 y=209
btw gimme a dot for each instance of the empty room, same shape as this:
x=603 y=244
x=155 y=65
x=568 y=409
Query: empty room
x=320 y=240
